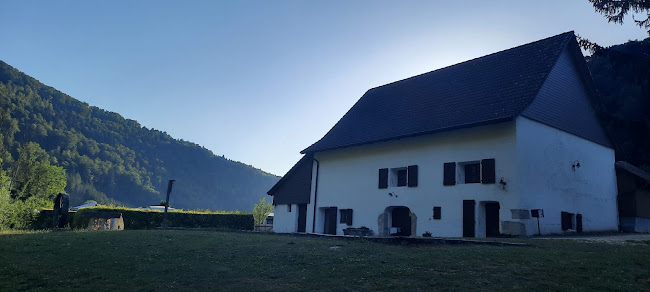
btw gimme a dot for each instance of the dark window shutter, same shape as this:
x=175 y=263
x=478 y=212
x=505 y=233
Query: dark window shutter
x=349 y=221
x=413 y=175
x=436 y=212
x=565 y=221
x=487 y=170
x=383 y=178
x=449 y=174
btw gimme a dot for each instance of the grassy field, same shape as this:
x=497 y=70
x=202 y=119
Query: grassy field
x=201 y=260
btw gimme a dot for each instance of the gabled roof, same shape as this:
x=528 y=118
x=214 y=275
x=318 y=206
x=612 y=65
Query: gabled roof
x=640 y=173
x=295 y=186
x=490 y=89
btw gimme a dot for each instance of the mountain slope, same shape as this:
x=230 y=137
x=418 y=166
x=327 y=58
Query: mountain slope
x=622 y=76
x=112 y=159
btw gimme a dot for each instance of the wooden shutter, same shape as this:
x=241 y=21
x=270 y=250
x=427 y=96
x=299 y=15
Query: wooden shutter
x=436 y=212
x=383 y=178
x=565 y=221
x=349 y=218
x=412 y=176
x=449 y=174
x=487 y=171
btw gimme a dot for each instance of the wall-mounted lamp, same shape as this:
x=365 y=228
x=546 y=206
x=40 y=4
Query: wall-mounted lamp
x=392 y=195
x=503 y=182
x=576 y=164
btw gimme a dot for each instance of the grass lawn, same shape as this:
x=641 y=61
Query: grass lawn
x=202 y=260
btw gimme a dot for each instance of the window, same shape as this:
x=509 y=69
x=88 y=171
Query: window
x=470 y=172
x=401 y=176
x=346 y=216
x=568 y=220
x=437 y=213
x=398 y=177
x=289 y=208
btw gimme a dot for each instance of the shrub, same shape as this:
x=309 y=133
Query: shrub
x=261 y=210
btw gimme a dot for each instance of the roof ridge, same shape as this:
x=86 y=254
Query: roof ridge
x=477 y=58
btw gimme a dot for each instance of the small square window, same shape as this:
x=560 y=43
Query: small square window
x=437 y=213
x=568 y=221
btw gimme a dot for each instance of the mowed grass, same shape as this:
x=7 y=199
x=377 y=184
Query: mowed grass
x=150 y=260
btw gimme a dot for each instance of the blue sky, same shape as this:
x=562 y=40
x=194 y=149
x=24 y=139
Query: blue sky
x=258 y=81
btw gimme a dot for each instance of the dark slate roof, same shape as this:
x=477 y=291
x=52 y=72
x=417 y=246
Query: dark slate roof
x=490 y=89
x=295 y=186
x=568 y=99
x=640 y=173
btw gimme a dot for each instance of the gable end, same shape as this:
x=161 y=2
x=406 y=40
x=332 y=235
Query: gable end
x=566 y=101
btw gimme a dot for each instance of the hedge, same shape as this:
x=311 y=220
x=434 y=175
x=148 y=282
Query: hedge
x=44 y=219
x=148 y=219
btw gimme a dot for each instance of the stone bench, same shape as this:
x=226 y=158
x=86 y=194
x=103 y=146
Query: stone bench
x=104 y=220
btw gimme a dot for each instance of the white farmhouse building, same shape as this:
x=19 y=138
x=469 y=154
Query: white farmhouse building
x=475 y=149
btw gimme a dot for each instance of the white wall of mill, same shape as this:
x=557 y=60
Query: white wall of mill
x=348 y=179
x=283 y=220
x=544 y=159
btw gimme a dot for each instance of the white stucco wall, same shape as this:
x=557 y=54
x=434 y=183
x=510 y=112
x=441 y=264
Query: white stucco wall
x=348 y=179
x=544 y=162
x=283 y=220
x=534 y=159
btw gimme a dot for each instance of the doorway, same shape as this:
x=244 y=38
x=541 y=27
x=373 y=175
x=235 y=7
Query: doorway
x=330 y=220
x=469 y=216
x=401 y=220
x=302 y=218
x=492 y=219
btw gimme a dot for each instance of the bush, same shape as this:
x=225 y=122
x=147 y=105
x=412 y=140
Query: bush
x=149 y=219
x=19 y=214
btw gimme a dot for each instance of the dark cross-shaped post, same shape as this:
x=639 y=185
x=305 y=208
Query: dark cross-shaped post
x=169 y=191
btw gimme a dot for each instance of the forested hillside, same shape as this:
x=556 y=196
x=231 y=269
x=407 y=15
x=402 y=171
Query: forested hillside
x=622 y=77
x=111 y=159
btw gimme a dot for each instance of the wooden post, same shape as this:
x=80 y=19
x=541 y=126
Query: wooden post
x=169 y=191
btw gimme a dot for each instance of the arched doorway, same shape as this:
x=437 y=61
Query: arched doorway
x=397 y=221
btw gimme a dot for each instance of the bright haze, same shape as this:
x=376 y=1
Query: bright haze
x=258 y=81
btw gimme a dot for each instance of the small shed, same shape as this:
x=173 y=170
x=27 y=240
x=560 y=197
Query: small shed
x=633 y=197
x=104 y=220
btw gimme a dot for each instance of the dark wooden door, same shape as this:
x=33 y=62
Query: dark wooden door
x=302 y=217
x=330 y=220
x=492 y=219
x=402 y=220
x=468 y=218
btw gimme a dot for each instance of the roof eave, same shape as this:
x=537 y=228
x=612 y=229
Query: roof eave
x=310 y=150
